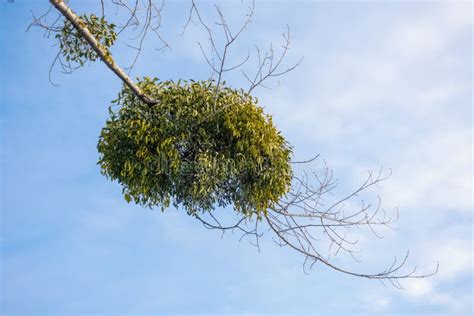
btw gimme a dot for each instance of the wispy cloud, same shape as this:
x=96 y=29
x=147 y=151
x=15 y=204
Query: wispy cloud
x=402 y=100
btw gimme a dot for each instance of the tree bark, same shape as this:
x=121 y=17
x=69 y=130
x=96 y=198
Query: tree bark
x=101 y=51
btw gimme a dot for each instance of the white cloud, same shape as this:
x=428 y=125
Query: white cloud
x=404 y=67
x=455 y=257
x=455 y=264
x=376 y=303
x=419 y=287
x=403 y=101
x=433 y=172
x=433 y=32
x=425 y=290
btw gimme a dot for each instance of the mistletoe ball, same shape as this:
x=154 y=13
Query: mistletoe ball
x=199 y=148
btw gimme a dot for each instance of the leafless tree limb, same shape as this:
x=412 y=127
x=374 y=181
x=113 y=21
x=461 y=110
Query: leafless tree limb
x=150 y=23
x=240 y=225
x=305 y=221
x=217 y=62
x=269 y=65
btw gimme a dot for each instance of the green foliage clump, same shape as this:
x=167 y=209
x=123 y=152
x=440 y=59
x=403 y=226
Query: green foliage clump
x=197 y=148
x=75 y=48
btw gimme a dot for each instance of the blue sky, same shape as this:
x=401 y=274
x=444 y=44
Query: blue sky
x=382 y=83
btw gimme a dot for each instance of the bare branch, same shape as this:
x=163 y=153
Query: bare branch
x=270 y=66
x=241 y=225
x=305 y=221
x=152 y=14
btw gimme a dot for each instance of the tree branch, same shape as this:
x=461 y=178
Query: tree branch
x=310 y=218
x=101 y=51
